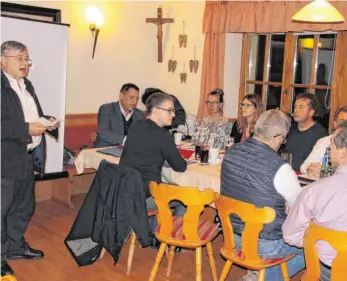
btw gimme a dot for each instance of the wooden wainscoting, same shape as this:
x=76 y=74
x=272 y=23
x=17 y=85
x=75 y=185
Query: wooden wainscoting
x=83 y=119
x=79 y=129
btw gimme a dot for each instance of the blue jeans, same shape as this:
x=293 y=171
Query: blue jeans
x=179 y=211
x=277 y=249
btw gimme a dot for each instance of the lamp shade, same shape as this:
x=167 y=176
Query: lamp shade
x=95 y=16
x=319 y=11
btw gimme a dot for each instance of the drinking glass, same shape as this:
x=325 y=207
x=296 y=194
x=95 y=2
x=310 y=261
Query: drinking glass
x=197 y=150
x=286 y=156
x=204 y=154
x=229 y=141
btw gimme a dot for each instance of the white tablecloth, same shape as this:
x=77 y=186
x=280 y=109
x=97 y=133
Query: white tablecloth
x=196 y=175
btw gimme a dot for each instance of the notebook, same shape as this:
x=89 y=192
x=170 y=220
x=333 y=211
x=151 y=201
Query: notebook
x=114 y=151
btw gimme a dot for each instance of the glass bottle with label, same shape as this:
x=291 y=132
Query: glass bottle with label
x=326 y=169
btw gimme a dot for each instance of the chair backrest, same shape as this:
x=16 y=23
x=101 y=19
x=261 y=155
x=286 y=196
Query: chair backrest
x=8 y=278
x=254 y=219
x=195 y=201
x=337 y=240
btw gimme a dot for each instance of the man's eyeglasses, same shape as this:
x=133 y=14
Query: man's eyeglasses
x=284 y=140
x=245 y=105
x=21 y=59
x=212 y=102
x=170 y=111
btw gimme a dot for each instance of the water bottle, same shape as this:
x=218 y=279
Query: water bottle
x=326 y=158
x=326 y=169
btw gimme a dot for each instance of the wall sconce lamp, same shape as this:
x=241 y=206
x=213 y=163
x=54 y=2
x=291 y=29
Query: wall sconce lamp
x=96 y=19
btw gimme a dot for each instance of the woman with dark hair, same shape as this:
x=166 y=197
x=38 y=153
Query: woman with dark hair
x=180 y=114
x=213 y=129
x=250 y=110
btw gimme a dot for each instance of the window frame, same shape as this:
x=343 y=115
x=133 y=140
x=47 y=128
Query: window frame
x=287 y=84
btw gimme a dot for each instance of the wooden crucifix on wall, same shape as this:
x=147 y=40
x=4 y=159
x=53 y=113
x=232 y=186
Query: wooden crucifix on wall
x=159 y=21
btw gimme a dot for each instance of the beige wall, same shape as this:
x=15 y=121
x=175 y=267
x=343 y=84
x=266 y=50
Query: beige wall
x=192 y=14
x=127 y=51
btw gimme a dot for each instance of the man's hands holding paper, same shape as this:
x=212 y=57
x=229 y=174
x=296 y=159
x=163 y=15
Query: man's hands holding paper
x=43 y=124
x=55 y=124
x=36 y=129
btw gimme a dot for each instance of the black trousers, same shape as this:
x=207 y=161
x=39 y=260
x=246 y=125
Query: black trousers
x=17 y=208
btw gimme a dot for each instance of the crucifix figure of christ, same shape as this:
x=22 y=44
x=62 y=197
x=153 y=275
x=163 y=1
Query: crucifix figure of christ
x=159 y=21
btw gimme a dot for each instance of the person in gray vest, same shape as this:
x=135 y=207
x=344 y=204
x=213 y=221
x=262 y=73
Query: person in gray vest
x=253 y=172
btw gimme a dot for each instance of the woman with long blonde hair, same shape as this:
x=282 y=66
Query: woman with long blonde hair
x=250 y=110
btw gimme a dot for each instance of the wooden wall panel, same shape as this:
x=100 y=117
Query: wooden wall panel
x=79 y=129
x=266 y=70
x=339 y=87
x=289 y=51
x=84 y=119
x=246 y=51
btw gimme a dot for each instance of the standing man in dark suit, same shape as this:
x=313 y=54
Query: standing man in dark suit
x=115 y=118
x=22 y=151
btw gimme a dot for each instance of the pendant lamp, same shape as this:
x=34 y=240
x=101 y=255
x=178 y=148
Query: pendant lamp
x=319 y=11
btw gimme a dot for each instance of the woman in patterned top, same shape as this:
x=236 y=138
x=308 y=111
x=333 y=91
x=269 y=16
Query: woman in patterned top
x=213 y=129
x=250 y=110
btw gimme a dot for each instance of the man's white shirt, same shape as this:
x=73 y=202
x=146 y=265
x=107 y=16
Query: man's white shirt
x=287 y=184
x=317 y=153
x=28 y=104
x=127 y=115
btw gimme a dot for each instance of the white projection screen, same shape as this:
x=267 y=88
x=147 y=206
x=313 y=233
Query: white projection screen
x=47 y=45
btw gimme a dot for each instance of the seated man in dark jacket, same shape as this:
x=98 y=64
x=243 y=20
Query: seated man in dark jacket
x=253 y=172
x=115 y=118
x=180 y=114
x=149 y=144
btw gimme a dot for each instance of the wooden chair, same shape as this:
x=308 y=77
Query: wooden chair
x=337 y=240
x=132 y=245
x=254 y=219
x=188 y=231
x=8 y=278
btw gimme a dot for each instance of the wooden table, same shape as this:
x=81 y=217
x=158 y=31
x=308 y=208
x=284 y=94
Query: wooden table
x=196 y=175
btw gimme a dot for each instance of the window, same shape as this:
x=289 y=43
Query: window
x=283 y=65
